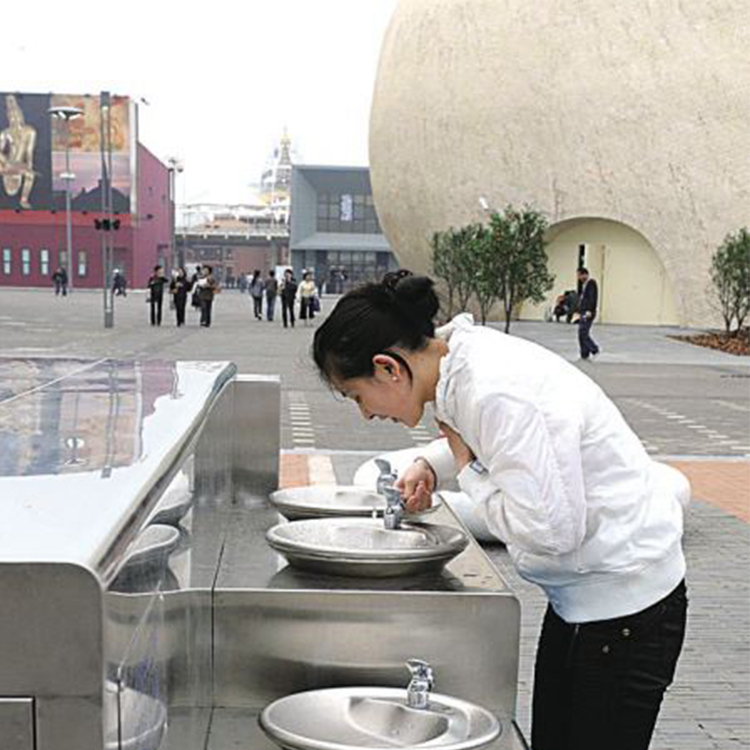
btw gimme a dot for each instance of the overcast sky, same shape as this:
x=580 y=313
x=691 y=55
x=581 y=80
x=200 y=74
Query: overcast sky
x=222 y=78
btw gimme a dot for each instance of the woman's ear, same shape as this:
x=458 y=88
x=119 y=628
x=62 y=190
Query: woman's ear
x=386 y=367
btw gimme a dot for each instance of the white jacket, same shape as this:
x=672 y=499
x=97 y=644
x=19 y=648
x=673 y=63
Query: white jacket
x=562 y=479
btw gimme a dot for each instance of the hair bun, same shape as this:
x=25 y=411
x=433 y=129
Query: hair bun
x=415 y=299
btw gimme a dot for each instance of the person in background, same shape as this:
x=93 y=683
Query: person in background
x=195 y=301
x=272 y=289
x=119 y=285
x=256 y=292
x=585 y=512
x=207 y=289
x=156 y=284
x=307 y=294
x=179 y=288
x=60 y=280
x=288 y=296
x=587 y=312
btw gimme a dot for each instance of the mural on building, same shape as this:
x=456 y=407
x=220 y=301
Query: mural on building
x=25 y=152
x=33 y=152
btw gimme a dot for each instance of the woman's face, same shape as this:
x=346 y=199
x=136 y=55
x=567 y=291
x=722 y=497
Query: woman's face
x=387 y=394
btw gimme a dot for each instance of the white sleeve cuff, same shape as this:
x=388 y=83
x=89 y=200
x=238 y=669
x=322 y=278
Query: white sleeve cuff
x=438 y=455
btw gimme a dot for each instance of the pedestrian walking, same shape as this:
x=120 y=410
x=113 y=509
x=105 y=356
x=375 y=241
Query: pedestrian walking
x=288 y=293
x=60 y=280
x=195 y=301
x=272 y=289
x=560 y=477
x=156 y=284
x=256 y=293
x=119 y=284
x=179 y=288
x=208 y=288
x=307 y=294
x=587 y=312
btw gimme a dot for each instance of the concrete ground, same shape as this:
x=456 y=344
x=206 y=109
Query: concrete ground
x=689 y=406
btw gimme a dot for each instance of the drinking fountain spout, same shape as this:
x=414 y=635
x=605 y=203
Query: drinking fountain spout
x=422 y=681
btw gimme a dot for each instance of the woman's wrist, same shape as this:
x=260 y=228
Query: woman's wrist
x=428 y=466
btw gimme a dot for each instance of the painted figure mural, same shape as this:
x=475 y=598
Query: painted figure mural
x=17 y=144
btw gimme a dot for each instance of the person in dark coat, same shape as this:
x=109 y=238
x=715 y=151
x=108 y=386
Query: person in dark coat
x=207 y=287
x=179 y=288
x=272 y=289
x=60 y=280
x=288 y=296
x=256 y=292
x=156 y=284
x=194 y=279
x=587 y=312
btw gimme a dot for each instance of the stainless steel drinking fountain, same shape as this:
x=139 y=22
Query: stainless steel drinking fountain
x=143 y=609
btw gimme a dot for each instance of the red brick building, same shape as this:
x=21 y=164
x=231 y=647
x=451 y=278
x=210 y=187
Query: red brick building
x=33 y=240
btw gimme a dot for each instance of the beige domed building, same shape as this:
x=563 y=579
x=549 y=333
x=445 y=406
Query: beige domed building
x=627 y=124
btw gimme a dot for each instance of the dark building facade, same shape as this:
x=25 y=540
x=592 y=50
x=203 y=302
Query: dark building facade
x=35 y=150
x=334 y=228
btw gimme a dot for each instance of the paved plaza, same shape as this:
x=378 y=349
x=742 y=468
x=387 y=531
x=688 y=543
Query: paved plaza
x=689 y=406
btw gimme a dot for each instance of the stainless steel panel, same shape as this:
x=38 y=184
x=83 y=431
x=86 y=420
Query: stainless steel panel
x=257 y=435
x=272 y=643
x=65 y=723
x=50 y=631
x=17 y=723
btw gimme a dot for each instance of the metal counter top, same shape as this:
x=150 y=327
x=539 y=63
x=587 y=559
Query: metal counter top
x=86 y=444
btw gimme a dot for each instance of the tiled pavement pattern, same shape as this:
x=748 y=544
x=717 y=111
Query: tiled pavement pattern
x=708 y=706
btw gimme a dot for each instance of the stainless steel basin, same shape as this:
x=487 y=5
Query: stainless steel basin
x=363 y=547
x=376 y=718
x=326 y=500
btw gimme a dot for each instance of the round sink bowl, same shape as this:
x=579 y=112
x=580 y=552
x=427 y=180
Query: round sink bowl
x=352 y=718
x=363 y=547
x=327 y=500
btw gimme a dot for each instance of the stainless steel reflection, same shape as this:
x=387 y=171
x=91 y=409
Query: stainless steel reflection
x=327 y=500
x=351 y=718
x=363 y=547
x=135 y=721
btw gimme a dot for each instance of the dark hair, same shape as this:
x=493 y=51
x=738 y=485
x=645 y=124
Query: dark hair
x=370 y=320
x=156 y=268
x=583 y=270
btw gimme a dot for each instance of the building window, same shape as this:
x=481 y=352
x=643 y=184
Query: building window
x=44 y=262
x=353 y=213
x=82 y=263
x=7 y=257
x=25 y=261
x=62 y=259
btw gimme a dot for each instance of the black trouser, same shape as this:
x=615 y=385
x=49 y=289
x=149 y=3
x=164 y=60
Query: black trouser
x=206 y=305
x=180 y=300
x=258 y=307
x=306 y=308
x=270 y=305
x=287 y=309
x=586 y=344
x=156 y=301
x=599 y=685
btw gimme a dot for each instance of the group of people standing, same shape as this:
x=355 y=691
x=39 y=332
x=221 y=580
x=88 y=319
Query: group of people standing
x=304 y=293
x=202 y=284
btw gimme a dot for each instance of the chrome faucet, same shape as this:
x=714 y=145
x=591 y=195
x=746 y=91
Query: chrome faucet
x=422 y=680
x=394 y=509
x=394 y=504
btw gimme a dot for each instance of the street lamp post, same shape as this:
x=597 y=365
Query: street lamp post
x=66 y=114
x=175 y=167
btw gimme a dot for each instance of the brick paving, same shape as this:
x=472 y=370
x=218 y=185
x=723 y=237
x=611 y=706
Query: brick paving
x=725 y=484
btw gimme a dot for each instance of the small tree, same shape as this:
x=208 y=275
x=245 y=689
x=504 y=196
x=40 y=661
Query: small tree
x=452 y=262
x=517 y=258
x=730 y=274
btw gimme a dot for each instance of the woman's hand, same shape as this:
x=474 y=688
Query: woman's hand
x=416 y=485
x=462 y=454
